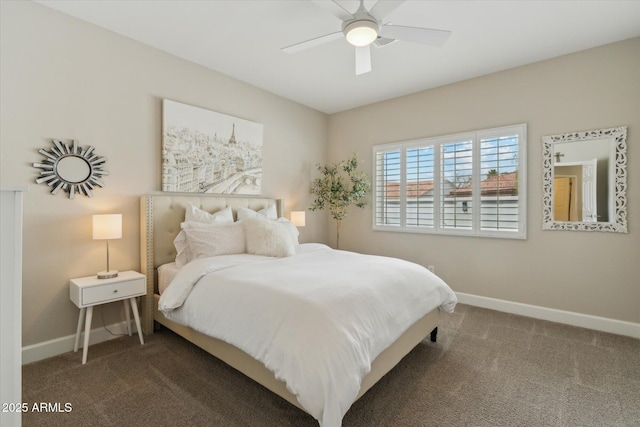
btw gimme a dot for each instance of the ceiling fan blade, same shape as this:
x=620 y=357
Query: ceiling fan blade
x=383 y=8
x=363 y=60
x=382 y=42
x=294 y=48
x=334 y=9
x=415 y=34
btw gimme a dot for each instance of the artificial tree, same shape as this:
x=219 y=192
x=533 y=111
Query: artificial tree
x=339 y=186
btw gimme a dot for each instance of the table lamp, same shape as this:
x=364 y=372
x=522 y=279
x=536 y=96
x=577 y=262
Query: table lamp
x=107 y=227
x=298 y=218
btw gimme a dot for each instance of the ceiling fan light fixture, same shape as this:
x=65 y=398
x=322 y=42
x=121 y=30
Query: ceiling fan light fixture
x=361 y=32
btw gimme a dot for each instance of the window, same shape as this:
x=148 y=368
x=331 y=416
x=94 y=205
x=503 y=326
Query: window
x=470 y=184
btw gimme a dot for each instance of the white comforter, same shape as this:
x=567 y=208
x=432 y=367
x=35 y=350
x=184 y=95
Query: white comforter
x=316 y=319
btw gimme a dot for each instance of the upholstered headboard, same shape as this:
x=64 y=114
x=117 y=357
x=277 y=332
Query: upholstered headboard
x=160 y=218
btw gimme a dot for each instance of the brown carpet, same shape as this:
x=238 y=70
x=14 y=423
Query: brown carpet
x=487 y=369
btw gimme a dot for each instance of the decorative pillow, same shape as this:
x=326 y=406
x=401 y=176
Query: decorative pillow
x=195 y=224
x=268 y=238
x=268 y=212
x=183 y=255
x=197 y=240
x=181 y=244
x=194 y=214
x=216 y=239
x=292 y=229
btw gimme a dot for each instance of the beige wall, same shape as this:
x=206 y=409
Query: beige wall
x=590 y=273
x=65 y=79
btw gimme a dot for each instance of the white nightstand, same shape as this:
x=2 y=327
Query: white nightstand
x=87 y=292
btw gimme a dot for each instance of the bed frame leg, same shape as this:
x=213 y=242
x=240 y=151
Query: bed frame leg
x=434 y=334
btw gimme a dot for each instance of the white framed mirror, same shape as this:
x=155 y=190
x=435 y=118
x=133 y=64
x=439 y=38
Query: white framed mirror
x=70 y=168
x=585 y=181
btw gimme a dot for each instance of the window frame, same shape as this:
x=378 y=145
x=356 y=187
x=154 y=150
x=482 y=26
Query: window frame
x=476 y=138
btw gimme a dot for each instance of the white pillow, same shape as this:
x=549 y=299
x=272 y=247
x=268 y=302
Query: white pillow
x=183 y=255
x=198 y=240
x=216 y=239
x=195 y=224
x=268 y=238
x=194 y=214
x=181 y=244
x=292 y=229
x=268 y=212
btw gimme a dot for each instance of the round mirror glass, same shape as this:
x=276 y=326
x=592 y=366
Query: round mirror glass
x=73 y=169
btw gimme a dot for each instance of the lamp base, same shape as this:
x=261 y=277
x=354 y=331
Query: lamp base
x=107 y=274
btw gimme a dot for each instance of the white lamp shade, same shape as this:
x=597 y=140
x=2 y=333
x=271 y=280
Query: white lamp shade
x=298 y=218
x=107 y=226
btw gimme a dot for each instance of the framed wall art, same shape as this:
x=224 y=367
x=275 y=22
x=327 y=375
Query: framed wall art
x=208 y=152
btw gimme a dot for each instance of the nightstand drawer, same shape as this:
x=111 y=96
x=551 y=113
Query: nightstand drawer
x=112 y=291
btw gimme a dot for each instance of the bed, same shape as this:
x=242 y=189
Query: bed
x=161 y=216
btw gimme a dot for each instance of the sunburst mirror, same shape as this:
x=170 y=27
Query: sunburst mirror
x=71 y=168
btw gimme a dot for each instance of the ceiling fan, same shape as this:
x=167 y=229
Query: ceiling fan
x=364 y=28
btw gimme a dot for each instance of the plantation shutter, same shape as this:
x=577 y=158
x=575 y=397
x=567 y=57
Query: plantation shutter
x=499 y=189
x=387 y=188
x=466 y=184
x=456 y=185
x=420 y=189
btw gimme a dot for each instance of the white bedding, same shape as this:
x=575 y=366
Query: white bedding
x=166 y=274
x=316 y=319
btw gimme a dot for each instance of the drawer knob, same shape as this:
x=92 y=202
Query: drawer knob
x=115 y=291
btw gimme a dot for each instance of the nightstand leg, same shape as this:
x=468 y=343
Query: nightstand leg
x=80 y=319
x=87 y=332
x=126 y=313
x=134 y=307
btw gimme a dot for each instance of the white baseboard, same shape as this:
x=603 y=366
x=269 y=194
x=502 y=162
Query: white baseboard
x=604 y=324
x=46 y=349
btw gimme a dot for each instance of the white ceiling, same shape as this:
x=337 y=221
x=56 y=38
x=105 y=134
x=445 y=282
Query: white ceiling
x=243 y=39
